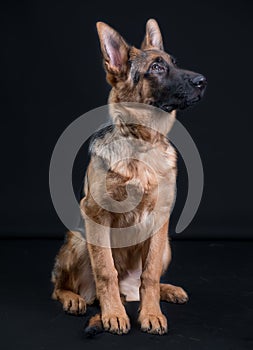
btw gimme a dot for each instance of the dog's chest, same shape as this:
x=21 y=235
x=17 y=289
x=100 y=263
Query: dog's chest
x=147 y=167
x=140 y=177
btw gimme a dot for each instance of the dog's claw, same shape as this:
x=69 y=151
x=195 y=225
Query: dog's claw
x=153 y=324
x=116 y=324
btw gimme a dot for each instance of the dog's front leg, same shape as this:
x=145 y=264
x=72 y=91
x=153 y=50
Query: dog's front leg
x=150 y=316
x=113 y=313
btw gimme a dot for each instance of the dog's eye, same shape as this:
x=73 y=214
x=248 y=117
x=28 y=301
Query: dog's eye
x=157 y=68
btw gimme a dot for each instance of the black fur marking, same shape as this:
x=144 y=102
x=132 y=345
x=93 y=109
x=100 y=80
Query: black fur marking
x=171 y=88
x=91 y=332
x=100 y=134
x=136 y=77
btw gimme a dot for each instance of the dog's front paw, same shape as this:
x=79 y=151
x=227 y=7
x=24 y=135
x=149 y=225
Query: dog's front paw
x=154 y=324
x=117 y=323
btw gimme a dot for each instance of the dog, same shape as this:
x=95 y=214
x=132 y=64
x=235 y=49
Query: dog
x=131 y=154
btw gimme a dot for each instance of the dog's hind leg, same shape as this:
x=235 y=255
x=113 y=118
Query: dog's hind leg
x=72 y=276
x=168 y=292
x=71 y=302
x=173 y=294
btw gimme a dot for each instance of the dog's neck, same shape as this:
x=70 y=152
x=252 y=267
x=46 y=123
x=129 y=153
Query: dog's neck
x=141 y=120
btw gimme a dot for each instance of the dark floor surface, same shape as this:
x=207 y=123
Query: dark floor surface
x=217 y=274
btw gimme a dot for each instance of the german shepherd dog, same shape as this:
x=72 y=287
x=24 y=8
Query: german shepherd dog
x=141 y=159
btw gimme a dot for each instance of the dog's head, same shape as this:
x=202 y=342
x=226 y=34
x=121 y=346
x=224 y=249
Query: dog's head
x=147 y=75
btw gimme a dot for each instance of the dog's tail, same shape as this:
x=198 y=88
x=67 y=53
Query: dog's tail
x=94 y=327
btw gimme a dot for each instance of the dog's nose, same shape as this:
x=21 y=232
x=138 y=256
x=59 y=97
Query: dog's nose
x=199 y=81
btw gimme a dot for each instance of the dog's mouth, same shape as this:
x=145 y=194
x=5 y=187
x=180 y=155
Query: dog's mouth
x=189 y=102
x=168 y=108
x=182 y=104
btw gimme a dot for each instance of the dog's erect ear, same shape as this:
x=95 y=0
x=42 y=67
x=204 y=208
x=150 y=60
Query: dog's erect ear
x=153 y=38
x=113 y=47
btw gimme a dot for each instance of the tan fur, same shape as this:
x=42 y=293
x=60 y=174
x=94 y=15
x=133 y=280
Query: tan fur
x=84 y=271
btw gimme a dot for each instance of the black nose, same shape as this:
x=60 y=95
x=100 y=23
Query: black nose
x=199 y=81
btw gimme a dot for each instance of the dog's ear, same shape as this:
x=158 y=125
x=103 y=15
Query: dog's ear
x=153 y=37
x=114 y=49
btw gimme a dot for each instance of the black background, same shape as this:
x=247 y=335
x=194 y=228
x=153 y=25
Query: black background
x=52 y=73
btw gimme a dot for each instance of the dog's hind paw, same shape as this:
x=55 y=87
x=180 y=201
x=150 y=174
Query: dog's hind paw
x=173 y=294
x=73 y=304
